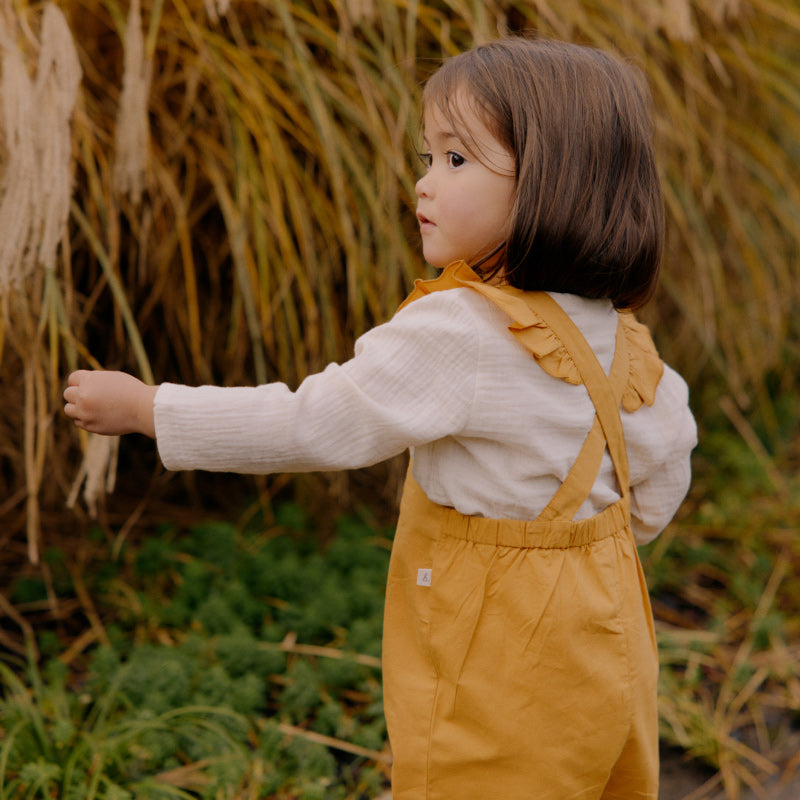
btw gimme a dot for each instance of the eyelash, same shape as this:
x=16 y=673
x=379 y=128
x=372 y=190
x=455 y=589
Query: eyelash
x=427 y=159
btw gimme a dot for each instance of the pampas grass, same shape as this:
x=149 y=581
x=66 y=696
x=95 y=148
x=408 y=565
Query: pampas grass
x=132 y=129
x=37 y=177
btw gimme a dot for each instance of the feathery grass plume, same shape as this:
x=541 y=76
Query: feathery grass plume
x=359 y=10
x=674 y=17
x=58 y=77
x=216 y=9
x=37 y=182
x=723 y=10
x=132 y=131
x=18 y=181
x=98 y=472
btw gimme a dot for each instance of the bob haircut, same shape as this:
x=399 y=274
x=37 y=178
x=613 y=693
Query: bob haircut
x=588 y=215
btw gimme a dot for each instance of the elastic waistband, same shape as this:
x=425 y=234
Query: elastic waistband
x=534 y=533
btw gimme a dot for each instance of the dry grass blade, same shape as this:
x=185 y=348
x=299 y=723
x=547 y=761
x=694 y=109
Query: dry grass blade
x=291 y=646
x=729 y=687
x=380 y=756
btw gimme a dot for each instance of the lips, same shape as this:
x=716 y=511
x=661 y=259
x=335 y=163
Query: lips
x=424 y=222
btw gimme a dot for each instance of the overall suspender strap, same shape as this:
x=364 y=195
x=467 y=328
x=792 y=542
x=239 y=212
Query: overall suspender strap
x=606 y=393
x=576 y=487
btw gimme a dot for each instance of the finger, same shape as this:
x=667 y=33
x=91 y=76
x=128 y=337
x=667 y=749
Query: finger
x=72 y=413
x=75 y=378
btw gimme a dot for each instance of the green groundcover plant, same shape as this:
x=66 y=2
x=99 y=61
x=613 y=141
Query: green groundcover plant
x=204 y=691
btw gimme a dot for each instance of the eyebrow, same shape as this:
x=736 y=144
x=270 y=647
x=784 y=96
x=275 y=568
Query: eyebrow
x=443 y=136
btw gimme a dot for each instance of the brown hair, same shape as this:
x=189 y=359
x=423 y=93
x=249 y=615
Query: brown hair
x=588 y=217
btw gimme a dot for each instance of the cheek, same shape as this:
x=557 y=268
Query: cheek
x=471 y=206
x=503 y=202
x=505 y=194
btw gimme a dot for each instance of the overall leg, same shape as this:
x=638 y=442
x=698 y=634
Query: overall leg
x=636 y=773
x=533 y=690
x=409 y=677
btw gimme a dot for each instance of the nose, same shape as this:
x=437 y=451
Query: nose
x=424 y=186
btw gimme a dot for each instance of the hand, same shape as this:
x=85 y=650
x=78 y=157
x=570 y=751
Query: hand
x=111 y=403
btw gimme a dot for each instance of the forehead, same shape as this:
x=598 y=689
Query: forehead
x=456 y=118
x=437 y=126
x=455 y=111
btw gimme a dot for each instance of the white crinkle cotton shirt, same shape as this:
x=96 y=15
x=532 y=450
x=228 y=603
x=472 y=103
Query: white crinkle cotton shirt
x=490 y=432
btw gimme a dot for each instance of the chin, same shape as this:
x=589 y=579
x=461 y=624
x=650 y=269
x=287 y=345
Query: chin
x=439 y=263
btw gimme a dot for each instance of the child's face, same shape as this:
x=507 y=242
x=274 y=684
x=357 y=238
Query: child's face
x=463 y=201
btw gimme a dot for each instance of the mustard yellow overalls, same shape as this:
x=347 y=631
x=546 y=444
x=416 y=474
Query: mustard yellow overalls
x=520 y=659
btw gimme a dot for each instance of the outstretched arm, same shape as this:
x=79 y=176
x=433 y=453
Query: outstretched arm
x=111 y=403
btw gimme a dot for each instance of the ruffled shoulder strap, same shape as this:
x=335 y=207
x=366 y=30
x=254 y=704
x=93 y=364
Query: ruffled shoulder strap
x=646 y=366
x=543 y=343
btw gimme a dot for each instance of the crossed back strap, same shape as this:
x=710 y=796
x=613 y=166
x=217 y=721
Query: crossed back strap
x=606 y=394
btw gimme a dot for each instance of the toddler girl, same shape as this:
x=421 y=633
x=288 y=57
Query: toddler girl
x=547 y=437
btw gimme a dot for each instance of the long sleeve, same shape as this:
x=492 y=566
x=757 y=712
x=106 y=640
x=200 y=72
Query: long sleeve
x=660 y=443
x=410 y=381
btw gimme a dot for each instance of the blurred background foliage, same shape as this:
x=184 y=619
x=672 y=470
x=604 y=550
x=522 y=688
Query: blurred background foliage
x=235 y=205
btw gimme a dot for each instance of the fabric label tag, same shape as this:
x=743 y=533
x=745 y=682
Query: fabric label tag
x=424 y=577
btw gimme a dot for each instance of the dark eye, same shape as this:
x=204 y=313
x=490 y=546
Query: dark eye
x=454 y=159
x=426 y=159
